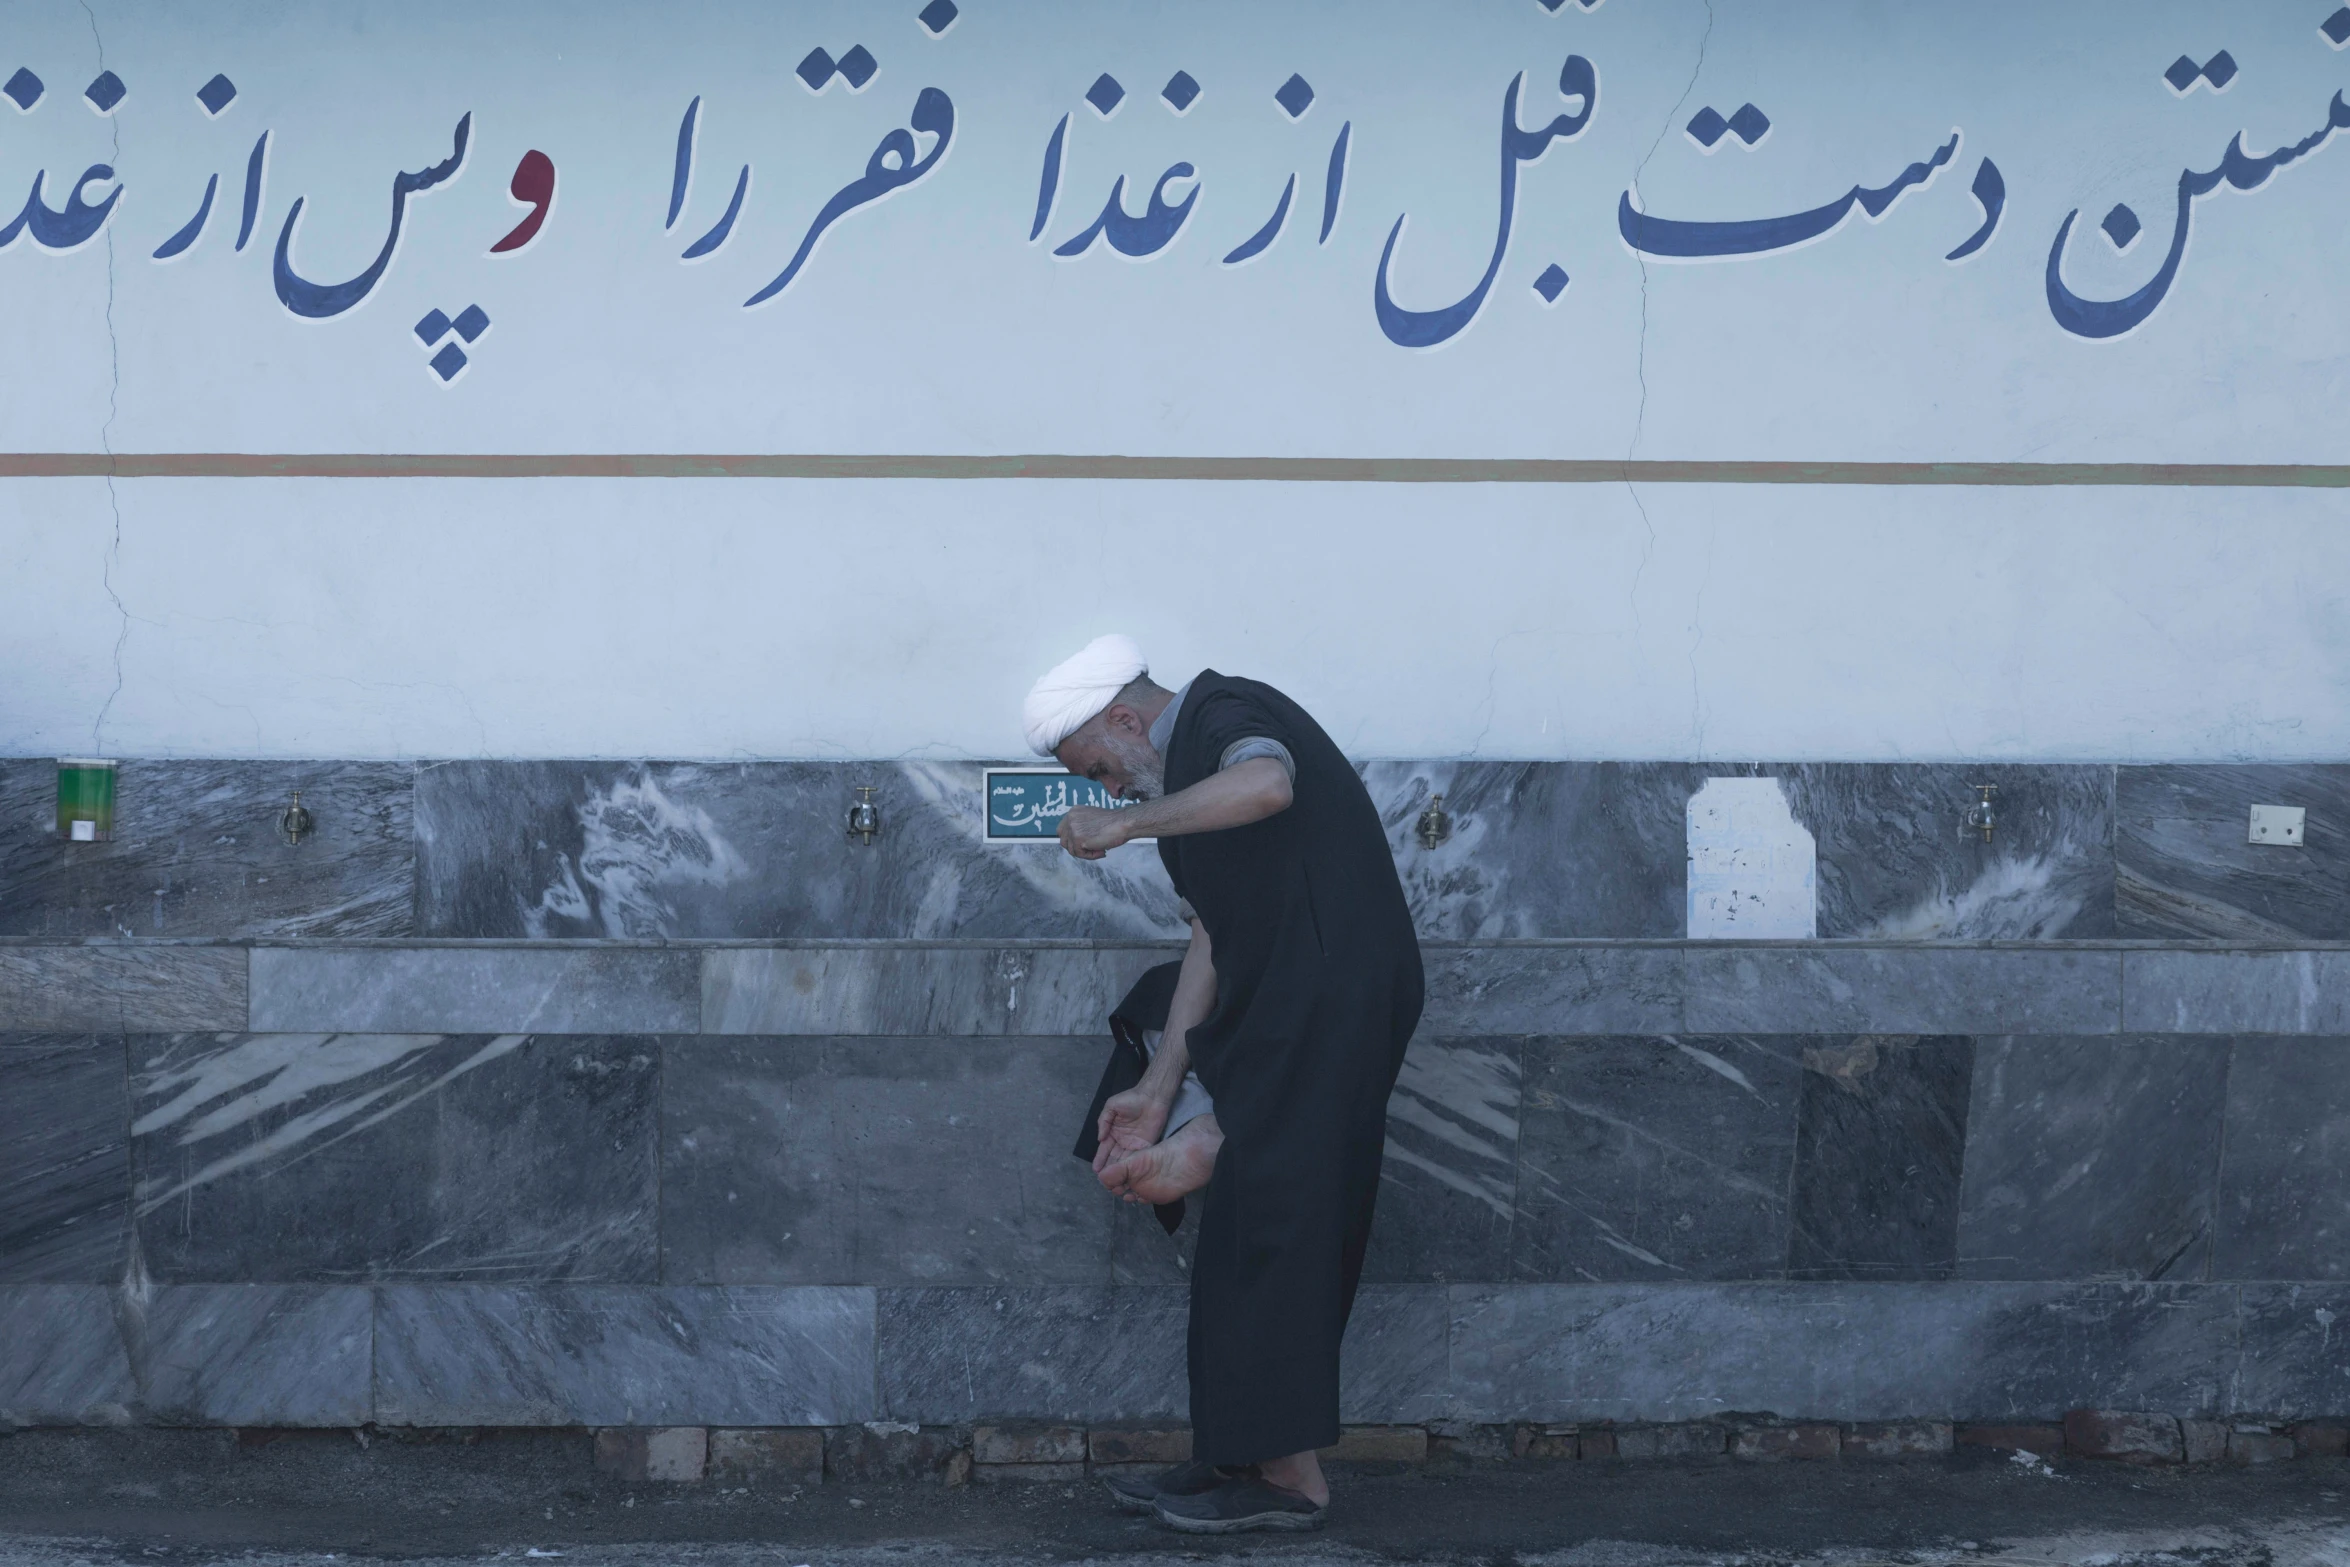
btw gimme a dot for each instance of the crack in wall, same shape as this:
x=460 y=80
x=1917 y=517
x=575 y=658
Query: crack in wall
x=1640 y=368
x=113 y=557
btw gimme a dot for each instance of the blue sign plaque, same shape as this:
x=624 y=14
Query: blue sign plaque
x=1026 y=804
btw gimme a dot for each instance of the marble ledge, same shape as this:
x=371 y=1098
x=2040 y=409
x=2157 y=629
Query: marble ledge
x=1065 y=986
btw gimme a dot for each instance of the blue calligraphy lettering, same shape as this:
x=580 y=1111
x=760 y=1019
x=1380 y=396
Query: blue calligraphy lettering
x=1673 y=238
x=1130 y=235
x=317 y=301
x=72 y=224
x=1334 y=182
x=193 y=227
x=682 y=175
x=1255 y=244
x=725 y=224
x=2113 y=317
x=1051 y=182
x=1991 y=191
x=1427 y=328
x=934 y=115
x=253 y=173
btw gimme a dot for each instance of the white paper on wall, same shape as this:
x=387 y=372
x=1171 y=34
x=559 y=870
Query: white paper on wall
x=1753 y=869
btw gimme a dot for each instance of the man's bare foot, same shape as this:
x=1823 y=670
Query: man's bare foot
x=1170 y=1169
x=1299 y=1472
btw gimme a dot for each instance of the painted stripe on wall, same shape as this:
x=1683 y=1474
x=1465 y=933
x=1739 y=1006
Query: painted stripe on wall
x=1313 y=470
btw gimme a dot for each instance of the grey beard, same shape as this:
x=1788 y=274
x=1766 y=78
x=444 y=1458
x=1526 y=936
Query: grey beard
x=1145 y=769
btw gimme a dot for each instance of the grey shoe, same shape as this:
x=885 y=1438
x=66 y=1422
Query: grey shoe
x=1141 y=1493
x=1244 y=1504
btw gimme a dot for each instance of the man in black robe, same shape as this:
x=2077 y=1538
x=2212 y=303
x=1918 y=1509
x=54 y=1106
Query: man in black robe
x=1296 y=998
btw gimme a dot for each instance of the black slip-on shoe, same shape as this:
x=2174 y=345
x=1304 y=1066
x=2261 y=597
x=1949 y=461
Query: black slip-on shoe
x=1141 y=1493
x=1242 y=1505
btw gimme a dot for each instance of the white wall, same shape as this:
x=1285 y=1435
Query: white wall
x=789 y=618
x=723 y=618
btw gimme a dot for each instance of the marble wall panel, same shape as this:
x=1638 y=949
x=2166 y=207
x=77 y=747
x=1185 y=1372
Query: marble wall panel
x=1553 y=849
x=1395 y=1365
x=62 y=1360
x=1655 y=1158
x=920 y=988
x=2186 y=867
x=754 y=849
x=453 y=989
x=568 y=1355
x=1667 y=1352
x=2292 y=1365
x=1541 y=848
x=121 y=989
x=2092 y=1158
x=2189 y=992
x=2042 y=1349
x=64 y=1159
x=870 y=1161
x=1879 y=1145
x=1448 y=1187
x=250 y=1354
x=1897 y=861
x=948 y=1356
x=197 y=852
x=1487 y=988
x=236 y=1354
x=2284 y=1173
x=1800 y=989
x=346 y=1157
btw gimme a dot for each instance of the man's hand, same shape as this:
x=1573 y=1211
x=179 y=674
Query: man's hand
x=1131 y=1122
x=1090 y=832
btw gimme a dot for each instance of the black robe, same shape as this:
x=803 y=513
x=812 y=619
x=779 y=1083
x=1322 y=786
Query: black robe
x=1318 y=988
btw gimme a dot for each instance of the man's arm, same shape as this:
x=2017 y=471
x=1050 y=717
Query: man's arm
x=1243 y=793
x=1133 y=1120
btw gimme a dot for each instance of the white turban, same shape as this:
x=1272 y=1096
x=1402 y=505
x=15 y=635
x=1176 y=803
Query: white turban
x=1077 y=688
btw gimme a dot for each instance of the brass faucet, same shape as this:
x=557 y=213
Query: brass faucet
x=1980 y=815
x=864 y=816
x=1435 y=826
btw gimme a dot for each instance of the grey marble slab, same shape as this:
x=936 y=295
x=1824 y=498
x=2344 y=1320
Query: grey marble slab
x=1448 y=1186
x=250 y=1354
x=2284 y=1172
x=2292 y=1364
x=1077 y=1353
x=197 y=852
x=1925 y=990
x=915 y=989
x=237 y=1354
x=1841 y=1351
x=1879 y=1145
x=62 y=1360
x=1395 y=1365
x=566 y=1355
x=1542 y=848
x=2187 y=992
x=2092 y=1158
x=2047 y=1348
x=64 y=1159
x=880 y=1161
x=1668 y=1352
x=2187 y=867
x=1652 y=1158
x=120 y=988
x=357 y=1157
x=1897 y=861
x=754 y=849
x=453 y=989
x=951 y=1356
x=1488 y=989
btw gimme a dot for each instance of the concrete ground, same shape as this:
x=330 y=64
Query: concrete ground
x=150 y=1497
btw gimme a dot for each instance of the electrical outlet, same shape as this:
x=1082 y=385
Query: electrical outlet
x=2277 y=824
